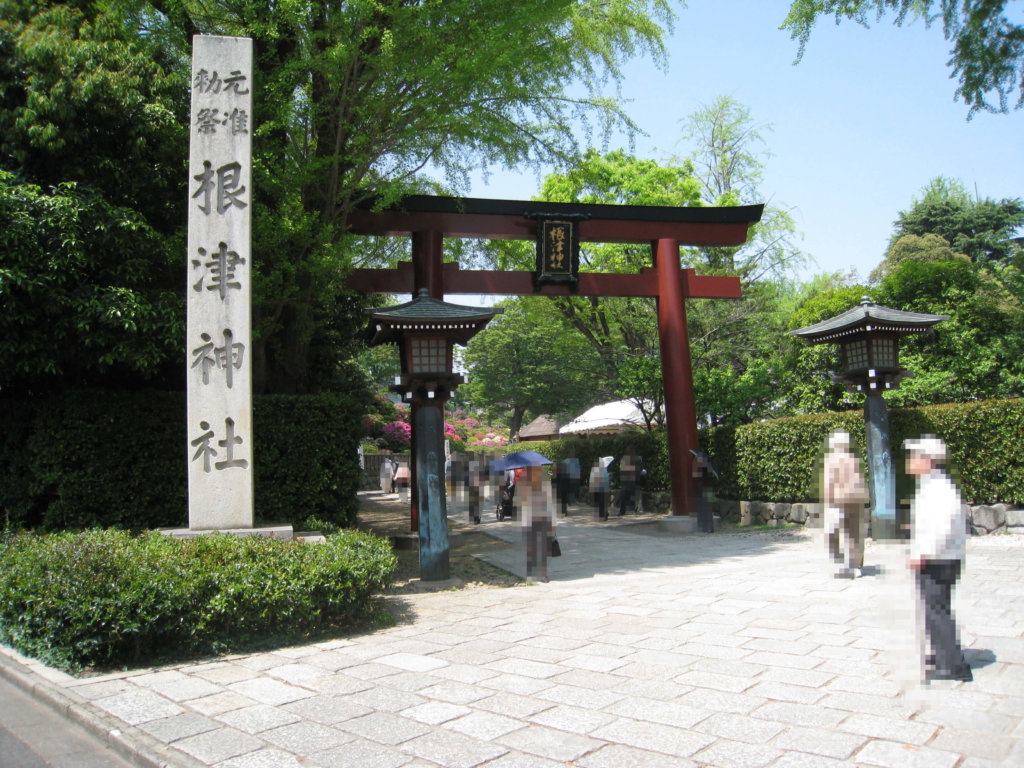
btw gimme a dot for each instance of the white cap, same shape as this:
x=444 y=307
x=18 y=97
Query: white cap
x=838 y=439
x=928 y=446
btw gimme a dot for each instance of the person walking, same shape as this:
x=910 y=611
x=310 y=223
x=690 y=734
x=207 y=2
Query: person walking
x=845 y=496
x=537 y=518
x=600 y=488
x=937 y=551
x=628 y=476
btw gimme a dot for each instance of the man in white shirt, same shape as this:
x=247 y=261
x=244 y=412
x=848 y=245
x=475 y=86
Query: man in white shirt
x=937 y=554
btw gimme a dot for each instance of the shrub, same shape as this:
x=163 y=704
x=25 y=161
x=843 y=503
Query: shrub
x=105 y=599
x=91 y=458
x=779 y=460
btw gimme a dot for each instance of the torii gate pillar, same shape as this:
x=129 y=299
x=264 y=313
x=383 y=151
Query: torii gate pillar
x=676 y=375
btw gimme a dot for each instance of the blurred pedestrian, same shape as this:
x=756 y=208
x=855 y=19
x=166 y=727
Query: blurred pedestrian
x=537 y=518
x=937 y=551
x=386 y=475
x=629 y=469
x=845 y=495
x=600 y=488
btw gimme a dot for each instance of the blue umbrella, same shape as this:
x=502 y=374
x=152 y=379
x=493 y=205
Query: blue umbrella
x=520 y=459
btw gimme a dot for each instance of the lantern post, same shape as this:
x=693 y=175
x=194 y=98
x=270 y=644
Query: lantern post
x=868 y=336
x=426 y=330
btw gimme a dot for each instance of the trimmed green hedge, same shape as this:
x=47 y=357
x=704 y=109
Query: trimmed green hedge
x=89 y=458
x=105 y=598
x=779 y=460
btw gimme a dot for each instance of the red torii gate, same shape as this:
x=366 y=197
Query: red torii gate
x=428 y=220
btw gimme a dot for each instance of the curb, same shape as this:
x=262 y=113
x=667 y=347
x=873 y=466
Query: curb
x=128 y=742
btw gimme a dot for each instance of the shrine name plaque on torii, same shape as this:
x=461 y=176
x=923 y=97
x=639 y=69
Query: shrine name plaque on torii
x=428 y=220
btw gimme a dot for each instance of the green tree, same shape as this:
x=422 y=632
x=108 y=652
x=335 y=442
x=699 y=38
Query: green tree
x=523 y=363
x=987 y=56
x=354 y=100
x=357 y=98
x=92 y=167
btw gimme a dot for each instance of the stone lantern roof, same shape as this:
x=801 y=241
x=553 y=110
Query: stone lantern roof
x=867 y=317
x=456 y=321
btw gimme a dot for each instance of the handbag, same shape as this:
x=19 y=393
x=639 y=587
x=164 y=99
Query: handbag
x=556 y=548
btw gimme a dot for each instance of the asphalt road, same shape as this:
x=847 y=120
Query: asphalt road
x=34 y=736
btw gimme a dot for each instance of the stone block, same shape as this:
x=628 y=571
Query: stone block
x=746 y=513
x=1015 y=517
x=727 y=509
x=780 y=510
x=760 y=512
x=678 y=524
x=985 y=519
x=797 y=513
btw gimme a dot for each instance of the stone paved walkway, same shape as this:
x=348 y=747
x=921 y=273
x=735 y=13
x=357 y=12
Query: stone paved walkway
x=645 y=649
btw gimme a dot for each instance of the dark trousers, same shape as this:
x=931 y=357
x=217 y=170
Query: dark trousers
x=562 y=492
x=601 y=502
x=537 y=543
x=627 y=497
x=935 y=582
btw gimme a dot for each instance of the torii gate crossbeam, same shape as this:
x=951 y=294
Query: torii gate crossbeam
x=428 y=220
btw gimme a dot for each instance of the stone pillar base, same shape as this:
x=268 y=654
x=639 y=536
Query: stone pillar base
x=678 y=524
x=268 y=532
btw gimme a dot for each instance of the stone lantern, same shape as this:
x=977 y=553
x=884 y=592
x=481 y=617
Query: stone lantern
x=868 y=336
x=426 y=330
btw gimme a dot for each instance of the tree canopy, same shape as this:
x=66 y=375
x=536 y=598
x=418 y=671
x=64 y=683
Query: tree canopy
x=354 y=100
x=987 y=54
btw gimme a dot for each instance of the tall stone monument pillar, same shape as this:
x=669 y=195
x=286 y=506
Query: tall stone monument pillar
x=219 y=335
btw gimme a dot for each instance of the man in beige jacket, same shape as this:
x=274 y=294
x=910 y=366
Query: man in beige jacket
x=845 y=496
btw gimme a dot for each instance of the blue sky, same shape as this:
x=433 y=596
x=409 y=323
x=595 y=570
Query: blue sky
x=857 y=128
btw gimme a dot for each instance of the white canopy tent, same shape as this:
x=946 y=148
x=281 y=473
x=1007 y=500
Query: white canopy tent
x=605 y=419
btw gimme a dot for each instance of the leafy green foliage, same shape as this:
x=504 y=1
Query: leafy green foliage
x=93 y=458
x=988 y=47
x=526 y=362
x=83 y=289
x=780 y=460
x=105 y=599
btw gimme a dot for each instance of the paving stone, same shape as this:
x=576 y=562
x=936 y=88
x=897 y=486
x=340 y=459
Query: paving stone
x=220 y=703
x=549 y=743
x=661 y=690
x=412 y=662
x=579 y=695
x=264 y=758
x=305 y=738
x=890 y=754
x=699 y=679
x=799 y=714
x=386 y=699
x=103 y=689
x=435 y=712
x=622 y=756
x=819 y=741
x=572 y=719
x=453 y=750
x=661 y=738
x=383 y=727
x=807 y=760
x=453 y=692
x=269 y=691
x=980 y=722
x=525 y=686
x=362 y=754
x=215 y=746
x=775 y=691
x=260 y=717
x=878 y=727
x=170 y=729
x=740 y=728
x=737 y=755
x=653 y=711
x=223 y=674
x=484 y=725
x=519 y=760
x=973 y=744
x=139 y=706
x=722 y=701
